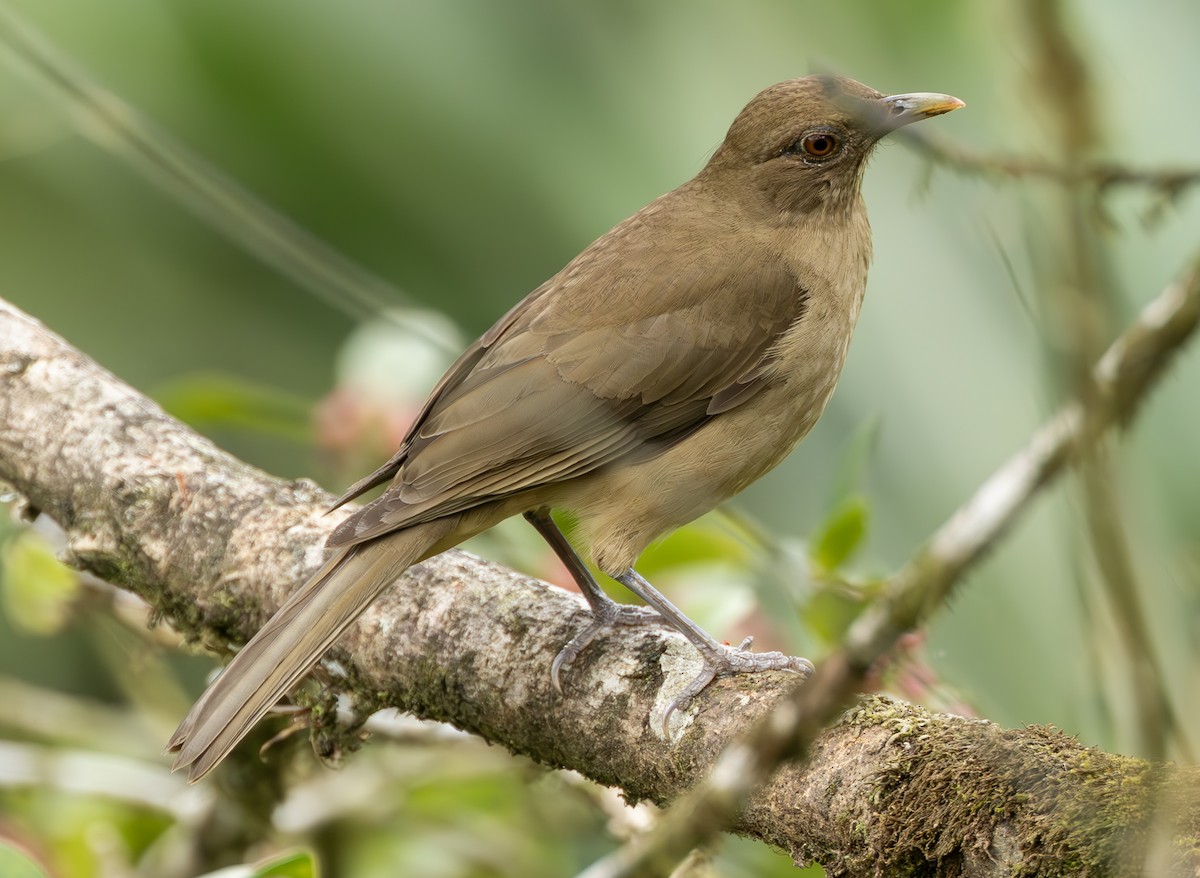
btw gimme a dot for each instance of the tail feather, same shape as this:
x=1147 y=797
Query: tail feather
x=292 y=641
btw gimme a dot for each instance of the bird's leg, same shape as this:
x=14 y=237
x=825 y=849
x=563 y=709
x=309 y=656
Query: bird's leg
x=606 y=613
x=719 y=660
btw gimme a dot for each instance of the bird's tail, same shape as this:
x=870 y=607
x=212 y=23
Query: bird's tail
x=292 y=641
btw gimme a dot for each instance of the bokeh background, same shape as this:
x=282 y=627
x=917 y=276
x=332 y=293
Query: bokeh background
x=457 y=153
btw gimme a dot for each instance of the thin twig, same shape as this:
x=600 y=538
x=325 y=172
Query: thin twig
x=1101 y=174
x=245 y=220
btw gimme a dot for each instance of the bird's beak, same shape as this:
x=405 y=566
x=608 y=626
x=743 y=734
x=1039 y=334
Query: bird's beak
x=901 y=109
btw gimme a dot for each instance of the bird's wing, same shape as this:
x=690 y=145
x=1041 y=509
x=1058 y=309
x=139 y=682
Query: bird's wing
x=624 y=352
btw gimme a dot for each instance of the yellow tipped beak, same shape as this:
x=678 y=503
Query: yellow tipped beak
x=906 y=108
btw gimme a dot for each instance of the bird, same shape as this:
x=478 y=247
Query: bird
x=674 y=361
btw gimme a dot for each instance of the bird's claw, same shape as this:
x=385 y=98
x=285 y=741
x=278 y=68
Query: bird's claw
x=605 y=618
x=719 y=660
x=733 y=660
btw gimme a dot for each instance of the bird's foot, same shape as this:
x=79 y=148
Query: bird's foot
x=725 y=661
x=605 y=617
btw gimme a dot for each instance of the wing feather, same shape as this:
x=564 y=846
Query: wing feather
x=608 y=358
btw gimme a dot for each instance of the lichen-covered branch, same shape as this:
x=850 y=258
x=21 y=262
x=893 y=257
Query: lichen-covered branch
x=214 y=545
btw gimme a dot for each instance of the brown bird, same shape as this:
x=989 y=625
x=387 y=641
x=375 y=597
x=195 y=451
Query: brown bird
x=670 y=364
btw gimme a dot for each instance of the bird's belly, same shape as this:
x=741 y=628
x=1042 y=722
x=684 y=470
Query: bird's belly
x=737 y=449
x=622 y=509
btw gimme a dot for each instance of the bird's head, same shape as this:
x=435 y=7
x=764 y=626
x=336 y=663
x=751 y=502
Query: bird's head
x=801 y=146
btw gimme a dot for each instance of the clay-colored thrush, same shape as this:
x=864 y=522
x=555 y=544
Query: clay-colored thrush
x=665 y=368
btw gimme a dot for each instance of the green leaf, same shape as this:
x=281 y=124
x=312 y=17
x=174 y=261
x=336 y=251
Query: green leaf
x=830 y=613
x=37 y=588
x=708 y=539
x=213 y=399
x=15 y=864
x=294 y=864
x=298 y=864
x=841 y=534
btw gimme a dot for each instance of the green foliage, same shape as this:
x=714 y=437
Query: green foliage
x=708 y=540
x=838 y=597
x=840 y=535
x=295 y=864
x=831 y=609
x=213 y=399
x=15 y=864
x=301 y=864
x=37 y=588
x=75 y=831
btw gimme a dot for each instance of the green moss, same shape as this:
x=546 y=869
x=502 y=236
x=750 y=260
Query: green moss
x=948 y=786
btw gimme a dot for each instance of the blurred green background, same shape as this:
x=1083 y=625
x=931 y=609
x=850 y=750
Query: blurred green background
x=462 y=151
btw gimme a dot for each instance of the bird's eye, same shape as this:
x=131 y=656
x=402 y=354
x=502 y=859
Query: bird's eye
x=816 y=145
x=820 y=144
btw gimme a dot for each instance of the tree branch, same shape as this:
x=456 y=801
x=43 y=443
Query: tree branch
x=215 y=545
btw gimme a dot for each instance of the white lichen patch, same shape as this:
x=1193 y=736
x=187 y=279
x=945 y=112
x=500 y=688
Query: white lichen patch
x=680 y=664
